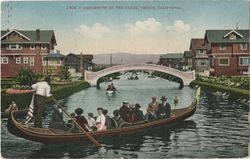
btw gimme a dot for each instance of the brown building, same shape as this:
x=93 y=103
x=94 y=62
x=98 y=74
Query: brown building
x=174 y=60
x=25 y=49
x=200 y=57
x=228 y=51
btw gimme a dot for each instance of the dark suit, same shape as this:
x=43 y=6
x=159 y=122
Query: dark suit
x=125 y=113
x=164 y=110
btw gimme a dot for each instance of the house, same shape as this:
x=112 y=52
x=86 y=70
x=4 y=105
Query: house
x=53 y=63
x=200 y=57
x=188 y=60
x=174 y=60
x=78 y=63
x=25 y=49
x=228 y=51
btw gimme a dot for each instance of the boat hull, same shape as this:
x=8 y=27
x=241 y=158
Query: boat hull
x=45 y=135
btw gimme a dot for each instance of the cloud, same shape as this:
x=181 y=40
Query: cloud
x=147 y=26
x=96 y=31
x=179 y=26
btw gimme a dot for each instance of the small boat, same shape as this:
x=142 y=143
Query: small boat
x=53 y=136
x=17 y=113
x=110 y=92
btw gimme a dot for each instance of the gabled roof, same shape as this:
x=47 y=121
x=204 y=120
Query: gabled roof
x=172 y=56
x=221 y=36
x=197 y=44
x=7 y=33
x=45 y=36
x=79 y=57
x=233 y=31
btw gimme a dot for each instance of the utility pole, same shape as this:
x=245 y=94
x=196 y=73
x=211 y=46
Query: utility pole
x=110 y=59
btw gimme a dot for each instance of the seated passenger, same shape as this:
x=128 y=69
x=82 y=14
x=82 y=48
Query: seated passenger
x=81 y=120
x=113 y=87
x=125 y=111
x=117 y=117
x=56 y=121
x=152 y=109
x=100 y=120
x=91 y=122
x=164 y=110
x=138 y=113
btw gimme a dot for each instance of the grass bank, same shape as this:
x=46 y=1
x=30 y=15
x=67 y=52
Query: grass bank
x=213 y=86
x=58 y=90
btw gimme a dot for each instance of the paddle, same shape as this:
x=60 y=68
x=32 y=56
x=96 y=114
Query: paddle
x=90 y=138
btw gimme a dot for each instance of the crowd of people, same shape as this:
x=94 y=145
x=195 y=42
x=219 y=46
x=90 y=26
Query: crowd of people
x=128 y=113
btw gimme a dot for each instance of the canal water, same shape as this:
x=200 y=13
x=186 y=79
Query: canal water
x=219 y=127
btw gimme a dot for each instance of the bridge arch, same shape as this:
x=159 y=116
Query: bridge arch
x=186 y=76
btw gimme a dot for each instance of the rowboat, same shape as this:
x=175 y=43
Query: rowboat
x=53 y=136
x=110 y=92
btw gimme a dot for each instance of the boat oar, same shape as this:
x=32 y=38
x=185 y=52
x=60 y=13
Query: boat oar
x=90 y=138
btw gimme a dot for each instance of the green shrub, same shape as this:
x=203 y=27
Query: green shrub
x=65 y=74
x=26 y=77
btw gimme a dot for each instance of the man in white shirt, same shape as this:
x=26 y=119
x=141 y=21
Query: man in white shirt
x=42 y=90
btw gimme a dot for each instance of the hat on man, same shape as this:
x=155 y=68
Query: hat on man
x=79 y=111
x=137 y=106
x=154 y=97
x=163 y=98
x=125 y=102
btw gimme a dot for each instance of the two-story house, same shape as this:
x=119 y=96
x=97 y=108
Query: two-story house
x=188 y=60
x=228 y=51
x=200 y=57
x=25 y=49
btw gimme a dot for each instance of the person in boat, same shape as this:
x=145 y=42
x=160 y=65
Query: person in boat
x=164 y=110
x=81 y=120
x=12 y=107
x=125 y=111
x=109 y=88
x=175 y=100
x=100 y=120
x=152 y=109
x=56 y=121
x=138 y=113
x=132 y=117
x=42 y=91
x=117 y=117
x=113 y=87
x=91 y=122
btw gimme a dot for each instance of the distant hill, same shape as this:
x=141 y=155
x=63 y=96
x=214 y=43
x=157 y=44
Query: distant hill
x=125 y=58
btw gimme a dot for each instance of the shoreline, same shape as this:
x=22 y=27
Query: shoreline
x=217 y=87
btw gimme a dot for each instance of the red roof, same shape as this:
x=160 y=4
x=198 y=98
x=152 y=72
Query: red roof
x=197 y=44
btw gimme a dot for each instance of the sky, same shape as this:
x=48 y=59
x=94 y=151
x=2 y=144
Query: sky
x=148 y=27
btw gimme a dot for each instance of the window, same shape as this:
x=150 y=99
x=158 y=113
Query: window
x=54 y=62
x=202 y=62
x=15 y=47
x=18 y=60
x=222 y=47
x=44 y=61
x=25 y=60
x=4 y=60
x=223 y=61
x=232 y=36
x=243 y=46
x=32 y=61
x=244 y=61
x=43 y=47
x=32 y=47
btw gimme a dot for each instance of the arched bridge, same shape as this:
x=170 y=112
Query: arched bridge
x=186 y=76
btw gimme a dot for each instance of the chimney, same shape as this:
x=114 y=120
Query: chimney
x=37 y=34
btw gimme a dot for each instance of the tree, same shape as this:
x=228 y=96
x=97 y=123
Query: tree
x=26 y=77
x=65 y=74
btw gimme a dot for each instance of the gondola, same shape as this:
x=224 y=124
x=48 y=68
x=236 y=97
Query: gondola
x=52 y=136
